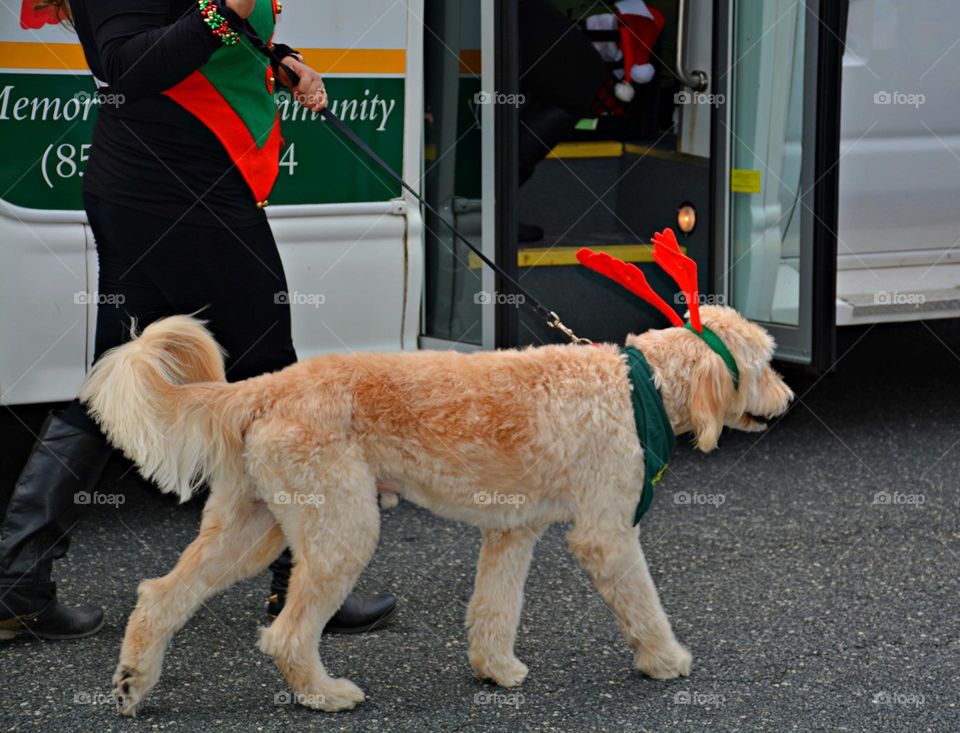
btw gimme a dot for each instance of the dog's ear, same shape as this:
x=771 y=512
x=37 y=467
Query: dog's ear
x=712 y=394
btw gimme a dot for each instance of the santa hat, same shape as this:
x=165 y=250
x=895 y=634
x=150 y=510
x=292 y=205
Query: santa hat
x=640 y=27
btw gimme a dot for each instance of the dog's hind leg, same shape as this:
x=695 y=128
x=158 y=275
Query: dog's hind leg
x=610 y=551
x=238 y=538
x=494 y=611
x=327 y=506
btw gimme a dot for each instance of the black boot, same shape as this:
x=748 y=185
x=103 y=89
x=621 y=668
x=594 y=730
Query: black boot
x=64 y=467
x=357 y=615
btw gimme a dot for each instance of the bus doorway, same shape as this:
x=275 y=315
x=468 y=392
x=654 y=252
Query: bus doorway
x=634 y=157
x=728 y=133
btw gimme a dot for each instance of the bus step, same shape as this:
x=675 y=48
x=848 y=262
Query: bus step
x=902 y=302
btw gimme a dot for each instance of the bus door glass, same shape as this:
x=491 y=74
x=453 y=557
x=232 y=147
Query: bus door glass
x=778 y=132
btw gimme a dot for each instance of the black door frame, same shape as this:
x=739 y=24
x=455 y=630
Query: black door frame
x=507 y=187
x=826 y=196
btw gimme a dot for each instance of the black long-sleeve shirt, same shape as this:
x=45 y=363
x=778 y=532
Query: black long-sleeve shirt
x=148 y=152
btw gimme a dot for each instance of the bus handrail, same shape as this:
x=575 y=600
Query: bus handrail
x=696 y=80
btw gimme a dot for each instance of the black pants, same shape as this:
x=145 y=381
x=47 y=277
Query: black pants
x=233 y=278
x=560 y=73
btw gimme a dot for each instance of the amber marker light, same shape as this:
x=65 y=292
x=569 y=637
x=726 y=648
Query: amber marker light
x=686 y=217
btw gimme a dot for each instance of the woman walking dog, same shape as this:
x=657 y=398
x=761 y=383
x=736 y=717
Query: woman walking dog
x=174 y=191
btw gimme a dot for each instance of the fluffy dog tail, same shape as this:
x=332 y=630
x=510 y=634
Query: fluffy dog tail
x=162 y=398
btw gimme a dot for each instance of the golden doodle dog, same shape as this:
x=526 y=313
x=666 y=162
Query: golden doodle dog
x=293 y=458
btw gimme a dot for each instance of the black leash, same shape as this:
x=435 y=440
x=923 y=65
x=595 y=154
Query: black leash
x=550 y=317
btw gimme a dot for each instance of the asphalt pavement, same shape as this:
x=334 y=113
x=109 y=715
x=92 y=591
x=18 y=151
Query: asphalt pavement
x=812 y=571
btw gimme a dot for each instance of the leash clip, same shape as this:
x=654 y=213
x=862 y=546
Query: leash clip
x=558 y=325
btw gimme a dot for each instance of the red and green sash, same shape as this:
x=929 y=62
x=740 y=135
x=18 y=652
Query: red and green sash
x=232 y=94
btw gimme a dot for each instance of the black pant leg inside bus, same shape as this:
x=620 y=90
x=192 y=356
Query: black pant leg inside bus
x=560 y=73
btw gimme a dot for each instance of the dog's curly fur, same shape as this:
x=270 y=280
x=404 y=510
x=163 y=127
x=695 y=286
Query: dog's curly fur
x=510 y=441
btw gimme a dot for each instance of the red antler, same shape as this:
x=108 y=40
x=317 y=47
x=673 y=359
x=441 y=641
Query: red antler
x=630 y=277
x=683 y=270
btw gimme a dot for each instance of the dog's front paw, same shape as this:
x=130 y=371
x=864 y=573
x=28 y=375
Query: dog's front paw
x=664 y=662
x=130 y=686
x=506 y=671
x=337 y=694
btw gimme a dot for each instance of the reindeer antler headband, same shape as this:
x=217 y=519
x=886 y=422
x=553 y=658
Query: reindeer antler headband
x=683 y=271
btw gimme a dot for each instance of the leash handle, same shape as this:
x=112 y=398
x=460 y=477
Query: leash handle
x=243 y=26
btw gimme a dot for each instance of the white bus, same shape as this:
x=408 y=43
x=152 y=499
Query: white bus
x=804 y=218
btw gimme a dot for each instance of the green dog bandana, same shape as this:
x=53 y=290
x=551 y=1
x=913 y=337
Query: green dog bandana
x=653 y=426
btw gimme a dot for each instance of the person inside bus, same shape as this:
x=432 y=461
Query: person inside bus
x=560 y=73
x=174 y=192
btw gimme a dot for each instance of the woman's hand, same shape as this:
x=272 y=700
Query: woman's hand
x=243 y=8
x=310 y=92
